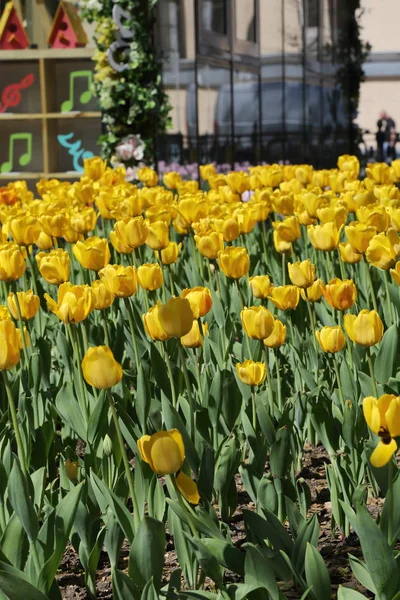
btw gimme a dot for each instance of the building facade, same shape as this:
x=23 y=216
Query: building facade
x=251 y=81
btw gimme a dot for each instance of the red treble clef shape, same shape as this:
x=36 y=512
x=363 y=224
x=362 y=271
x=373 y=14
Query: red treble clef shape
x=11 y=95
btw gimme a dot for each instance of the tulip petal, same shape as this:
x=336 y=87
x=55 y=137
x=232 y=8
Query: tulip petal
x=188 y=488
x=383 y=453
x=144 y=445
x=372 y=414
x=393 y=417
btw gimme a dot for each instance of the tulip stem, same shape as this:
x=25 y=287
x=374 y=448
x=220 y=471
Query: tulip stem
x=371 y=371
x=105 y=329
x=254 y=408
x=389 y=500
x=270 y=391
x=342 y=269
x=170 y=375
x=189 y=392
x=278 y=379
x=132 y=328
x=312 y=324
x=128 y=472
x=171 y=280
x=14 y=419
x=283 y=268
x=339 y=383
x=371 y=285
x=389 y=303
x=218 y=280
x=197 y=361
x=77 y=356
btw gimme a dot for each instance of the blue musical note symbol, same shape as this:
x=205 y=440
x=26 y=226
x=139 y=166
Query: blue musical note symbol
x=74 y=150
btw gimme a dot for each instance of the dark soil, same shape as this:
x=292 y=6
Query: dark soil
x=333 y=547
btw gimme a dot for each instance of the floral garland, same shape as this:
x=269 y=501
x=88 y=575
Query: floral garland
x=127 y=81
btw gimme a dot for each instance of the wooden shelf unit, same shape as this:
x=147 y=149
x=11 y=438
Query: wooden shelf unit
x=60 y=77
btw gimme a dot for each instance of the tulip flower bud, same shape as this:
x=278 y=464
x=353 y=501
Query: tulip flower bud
x=170 y=254
x=163 y=451
x=93 y=253
x=103 y=298
x=302 y=273
x=285 y=297
x=120 y=280
x=153 y=326
x=29 y=304
x=71 y=469
x=257 y=321
x=260 y=285
x=12 y=262
x=100 y=369
x=314 y=292
x=150 y=276
x=339 y=294
x=210 y=245
x=200 y=300
x=74 y=302
x=176 y=317
x=234 y=261
x=324 y=237
x=331 y=339
x=251 y=373
x=54 y=266
x=365 y=329
x=107 y=445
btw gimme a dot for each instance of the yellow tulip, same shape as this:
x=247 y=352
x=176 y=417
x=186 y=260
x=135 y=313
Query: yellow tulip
x=395 y=273
x=119 y=244
x=12 y=262
x=324 y=237
x=260 y=285
x=163 y=451
x=359 y=236
x=234 y=261
x=100 y=369
x=277 y=337
x=147 y=176
x=193 y=207
x=93 y=253
x=365 y=329
x=194 y=339
x=348 y=255
x=176 y=317
x=230 y=229
x=84 y=220
x=120 y=280
x=285 y=297
x=374 y=216
x=383 y=249
x=246 y=220
x=200 y=300
x=251 y=373
x=171 y=180
x=257 y=321
x=333 y=214
x=54 y=266
x=378 y=172
x=281 y=245
x=153 y=326
x=103 y=298
x=150 y=276
x=331 y=339
x=9 y=345
x=132 y=232
x=157 y=235
x=340 y=294
x=207 y=171
x=94 y=168
x=288 y=229
x=314 y=292
x=71 y=469
x=170 y=254
x=25 y=230
x=55 y=225
x=29 y=304
x=383 y=418
x=210 y=245
x=74 y=302
x=350 y=165
x=302 y=273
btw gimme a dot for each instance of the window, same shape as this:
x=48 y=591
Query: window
x=245 y=20
x=213 y=16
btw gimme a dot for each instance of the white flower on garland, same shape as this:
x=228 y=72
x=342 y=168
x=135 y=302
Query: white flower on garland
x=91 y=4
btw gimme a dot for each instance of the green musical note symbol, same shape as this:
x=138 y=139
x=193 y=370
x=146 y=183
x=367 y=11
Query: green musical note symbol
x=24 y=159
x=85 y=97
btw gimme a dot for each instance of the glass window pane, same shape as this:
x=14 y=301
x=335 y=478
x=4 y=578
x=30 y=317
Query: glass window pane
x=214 y=16
x=215 y=114
x=245 y=12
x=246 y=116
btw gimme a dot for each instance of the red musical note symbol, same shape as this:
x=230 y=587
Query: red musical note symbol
x=11 y=95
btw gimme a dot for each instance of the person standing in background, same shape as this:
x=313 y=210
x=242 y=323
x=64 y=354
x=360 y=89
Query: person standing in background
x=388 y=124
